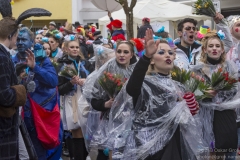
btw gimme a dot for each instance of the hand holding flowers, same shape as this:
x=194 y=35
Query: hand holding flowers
x=111 y=83
x=206 y=7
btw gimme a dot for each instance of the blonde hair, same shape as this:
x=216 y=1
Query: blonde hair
x=151 y=68
x=66 y=45
x=211 y=35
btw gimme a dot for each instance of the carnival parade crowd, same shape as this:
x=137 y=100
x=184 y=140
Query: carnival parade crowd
x=67 y=90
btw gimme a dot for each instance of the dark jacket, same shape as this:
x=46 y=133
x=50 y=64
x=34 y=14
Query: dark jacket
x=98 y=40
x=64 y=84
x=118 y=35
x=142 y=30
x=87 y=50
x=9 y=99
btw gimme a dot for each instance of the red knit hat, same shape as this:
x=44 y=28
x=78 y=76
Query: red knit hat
x=116 y=23
x=109 y=26
x=146 y=19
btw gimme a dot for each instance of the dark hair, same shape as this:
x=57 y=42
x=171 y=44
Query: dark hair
x=162 y=34
x=28 y=31
x=146 y=22
x=186 y=20
x=129 y=43
x=86 y=27
x=49 y=35
x=49 y=47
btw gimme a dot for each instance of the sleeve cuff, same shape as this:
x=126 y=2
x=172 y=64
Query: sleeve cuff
x=36 y=69
x=146 y=58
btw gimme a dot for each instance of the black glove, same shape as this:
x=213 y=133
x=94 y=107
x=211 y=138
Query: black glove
x=20 y=68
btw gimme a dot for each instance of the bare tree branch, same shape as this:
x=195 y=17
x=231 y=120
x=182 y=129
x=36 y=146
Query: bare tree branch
x=133 y=4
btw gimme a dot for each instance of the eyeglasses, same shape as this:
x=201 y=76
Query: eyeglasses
x=189 y=28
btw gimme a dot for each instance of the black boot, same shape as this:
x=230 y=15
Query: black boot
x=69 y=143
x=79 y=149
x=101 y=155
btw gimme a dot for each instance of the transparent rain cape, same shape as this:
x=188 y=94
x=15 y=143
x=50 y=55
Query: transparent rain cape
x=102 y=55
x=97 y=129
x=224 y=100
x=140 y=131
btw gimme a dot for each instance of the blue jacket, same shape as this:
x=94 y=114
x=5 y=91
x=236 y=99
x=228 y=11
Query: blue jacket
x=46 y=80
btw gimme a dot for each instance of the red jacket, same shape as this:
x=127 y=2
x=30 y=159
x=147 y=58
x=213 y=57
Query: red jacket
x=118 y=35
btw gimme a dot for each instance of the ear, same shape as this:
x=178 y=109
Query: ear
x=174 y=55
x=152 y=62
x=204 y=49
x=223 y=50
x=180 y=33
x=231 y=30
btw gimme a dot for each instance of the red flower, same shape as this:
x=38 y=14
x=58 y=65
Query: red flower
x=219 y=70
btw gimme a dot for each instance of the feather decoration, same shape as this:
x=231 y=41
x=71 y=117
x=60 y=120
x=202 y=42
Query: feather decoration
x=139 y=45
x=5 y=8
x=36 y=12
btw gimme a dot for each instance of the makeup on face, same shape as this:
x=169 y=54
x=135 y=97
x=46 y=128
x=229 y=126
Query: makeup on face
x=214 y=49
x=24 y=42
x=188 y=33
x=123 y=54
x=53 y=44
x=163 y=59
x=73 y=48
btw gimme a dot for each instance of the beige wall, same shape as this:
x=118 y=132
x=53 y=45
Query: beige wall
x=60 y=9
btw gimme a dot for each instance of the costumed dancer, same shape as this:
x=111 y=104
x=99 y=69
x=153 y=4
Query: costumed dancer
x=161 y=125
x=41 y=111
x=74 y=105
x=102 y=100
x=234 y=52
x=217 y=111
x=188 y=49
x=102 y=56
x=54 y=39
x=39 y=36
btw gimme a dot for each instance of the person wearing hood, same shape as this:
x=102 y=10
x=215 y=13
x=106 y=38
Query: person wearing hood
x=118 y=33
x=144 y=27
x=232 y=43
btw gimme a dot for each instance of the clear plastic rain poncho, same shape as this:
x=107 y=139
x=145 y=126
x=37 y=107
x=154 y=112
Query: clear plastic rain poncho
x=102 y=55
x=143 y=130
x=92 y=89
x=224 y=100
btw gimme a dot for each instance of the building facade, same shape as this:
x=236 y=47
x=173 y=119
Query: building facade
x=62 y=11
x=228 y=7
